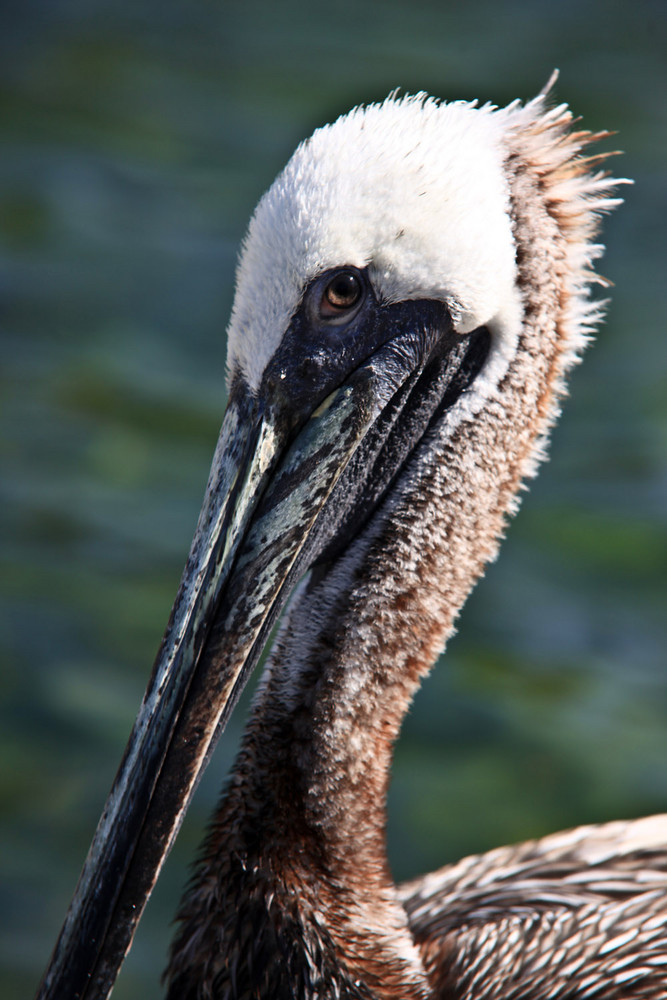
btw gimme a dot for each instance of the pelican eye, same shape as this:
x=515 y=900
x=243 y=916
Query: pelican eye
x=340 y=295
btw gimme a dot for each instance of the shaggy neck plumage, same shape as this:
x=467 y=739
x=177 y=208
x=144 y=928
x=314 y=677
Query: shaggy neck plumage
x=301 y=828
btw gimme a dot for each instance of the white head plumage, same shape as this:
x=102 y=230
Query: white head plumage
x=411 y=188
x=418 y=191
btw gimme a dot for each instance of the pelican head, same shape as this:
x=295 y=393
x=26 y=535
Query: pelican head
x=400 y=266
x=412 y=193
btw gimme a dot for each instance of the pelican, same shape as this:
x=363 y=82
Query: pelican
x=411 y=294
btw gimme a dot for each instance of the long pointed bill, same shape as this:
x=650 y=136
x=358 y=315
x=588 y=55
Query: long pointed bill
x=267 y=487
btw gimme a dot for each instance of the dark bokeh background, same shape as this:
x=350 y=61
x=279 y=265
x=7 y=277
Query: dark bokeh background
x=136 y=137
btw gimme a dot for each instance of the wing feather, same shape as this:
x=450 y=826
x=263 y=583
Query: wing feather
x=580 y=915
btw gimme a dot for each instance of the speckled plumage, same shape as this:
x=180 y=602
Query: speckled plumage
x=292 y=896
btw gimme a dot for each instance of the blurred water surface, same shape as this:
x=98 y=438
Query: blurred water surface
x=136 y=138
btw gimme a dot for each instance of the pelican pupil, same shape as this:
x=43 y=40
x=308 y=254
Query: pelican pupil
x=344 y=291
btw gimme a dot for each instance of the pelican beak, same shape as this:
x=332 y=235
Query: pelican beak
x=280 y=456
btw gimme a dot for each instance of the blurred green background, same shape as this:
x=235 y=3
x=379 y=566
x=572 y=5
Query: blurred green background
x=136 y=137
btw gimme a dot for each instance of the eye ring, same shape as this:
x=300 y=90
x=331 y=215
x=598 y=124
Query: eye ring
x=341 y=295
